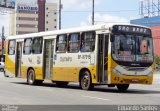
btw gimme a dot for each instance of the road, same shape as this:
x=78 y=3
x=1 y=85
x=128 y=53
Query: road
x=15 y=91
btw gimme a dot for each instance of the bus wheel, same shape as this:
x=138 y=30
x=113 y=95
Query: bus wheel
x=61 y=83
x=122 y=87
x=85 y=81
x=1 y=69
x=31 y=77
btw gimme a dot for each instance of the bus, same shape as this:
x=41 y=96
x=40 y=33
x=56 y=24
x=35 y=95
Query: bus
x=116 y=55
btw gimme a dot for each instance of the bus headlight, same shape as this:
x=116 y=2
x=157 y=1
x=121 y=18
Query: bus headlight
x=116 y=71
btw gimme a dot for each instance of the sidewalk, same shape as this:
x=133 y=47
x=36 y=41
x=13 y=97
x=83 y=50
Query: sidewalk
x=156 y=78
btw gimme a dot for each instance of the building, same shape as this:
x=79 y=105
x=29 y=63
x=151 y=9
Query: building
x=147 y=21
x=31 y=18
x=26 y=19
x=50 y=16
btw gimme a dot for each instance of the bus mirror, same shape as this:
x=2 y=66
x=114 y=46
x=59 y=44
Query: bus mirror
x=112 y=38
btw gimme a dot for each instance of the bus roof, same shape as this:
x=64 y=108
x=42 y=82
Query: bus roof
x=64 y=31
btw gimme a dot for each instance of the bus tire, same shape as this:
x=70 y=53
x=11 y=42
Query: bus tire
x=86 y=81
x=61 y=83
x=31 y=77
x=1 y=69
x=122 y=87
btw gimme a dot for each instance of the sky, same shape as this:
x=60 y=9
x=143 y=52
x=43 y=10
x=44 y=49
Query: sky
x=77 y=13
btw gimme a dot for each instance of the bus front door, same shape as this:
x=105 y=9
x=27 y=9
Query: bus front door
x=18 y=59
x=48 y=59
x=103 y=58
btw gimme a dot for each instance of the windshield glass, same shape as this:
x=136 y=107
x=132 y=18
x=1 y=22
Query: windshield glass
x=131 y=48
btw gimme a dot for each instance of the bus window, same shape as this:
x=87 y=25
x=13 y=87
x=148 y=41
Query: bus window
x=61 y=43
x=73 y=42
x=37 y=45
x=27 y=46
x=143 y=49
x=88 y=42
x=11 y=48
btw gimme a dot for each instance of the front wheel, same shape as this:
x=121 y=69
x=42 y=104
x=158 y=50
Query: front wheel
x=122 y=87
x=86 y=81
x=2 y=70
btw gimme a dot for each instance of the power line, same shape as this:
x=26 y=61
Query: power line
x=100 y=11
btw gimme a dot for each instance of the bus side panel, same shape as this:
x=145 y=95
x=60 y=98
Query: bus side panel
x=68 y=68
x=72 y=73
x=9 y=62
x=35 y=62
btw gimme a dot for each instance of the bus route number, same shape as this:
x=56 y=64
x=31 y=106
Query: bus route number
x=84 y=57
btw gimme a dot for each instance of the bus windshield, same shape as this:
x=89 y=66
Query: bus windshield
x=132 y=48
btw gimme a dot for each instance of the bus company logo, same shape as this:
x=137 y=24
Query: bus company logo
x=38 y=60
x=30 y=60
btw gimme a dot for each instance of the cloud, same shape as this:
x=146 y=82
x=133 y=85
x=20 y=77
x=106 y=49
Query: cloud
x=78 y=4
x=104 y=18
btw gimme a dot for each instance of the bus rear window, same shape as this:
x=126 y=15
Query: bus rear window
x=11 y=47
x=88 y=42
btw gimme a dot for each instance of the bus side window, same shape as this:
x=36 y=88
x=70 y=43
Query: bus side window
x=61 y=45
x=74 y=42
x=11 y=47
x=27 y=48
x=88 y=42
x=37 y=45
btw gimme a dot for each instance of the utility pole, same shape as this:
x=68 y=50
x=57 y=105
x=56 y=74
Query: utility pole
x=2 y=58
x=93 y=12
x=60 y=7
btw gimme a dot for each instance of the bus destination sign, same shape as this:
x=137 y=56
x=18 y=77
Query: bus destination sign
x=131 y=29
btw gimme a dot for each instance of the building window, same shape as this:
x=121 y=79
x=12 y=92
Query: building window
x=47 y=15
x=55 y=13
x=88 y=42
x=55 y=19
x=55 y=27
x=27 y=46
x=37 y=45
x=74 y=42
x=47 y=22
x=47 y=8
x=61 y=43
x=46 y=28
x=11 y=47
x=17 y=18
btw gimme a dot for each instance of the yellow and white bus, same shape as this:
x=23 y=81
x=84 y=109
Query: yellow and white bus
x=111 y=54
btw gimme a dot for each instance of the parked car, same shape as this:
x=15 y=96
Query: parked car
x=2 y=66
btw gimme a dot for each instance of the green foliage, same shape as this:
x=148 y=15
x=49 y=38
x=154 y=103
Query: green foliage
x=157 y=60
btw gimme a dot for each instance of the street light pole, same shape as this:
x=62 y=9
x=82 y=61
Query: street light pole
x=93 y=12
x=2 y=43
x=60 y=14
